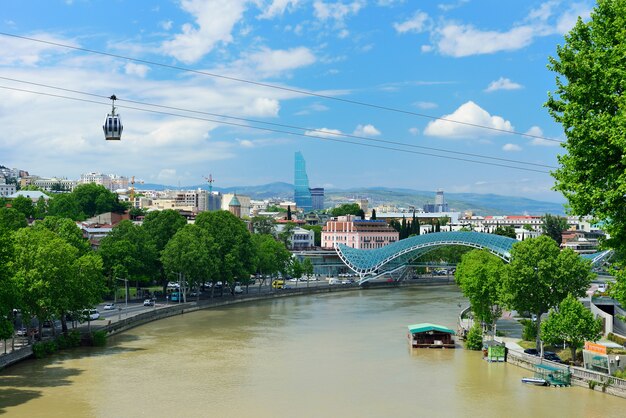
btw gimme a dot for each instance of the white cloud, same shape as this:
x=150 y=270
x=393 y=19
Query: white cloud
x=568 y=19
x=472 y=118
x=197 y=40
x=366 y=130
x=502 y=84
x=324 y=133
x=418 y=23
x=414 y=131
x=246 y=143
x=262 y=107
x=464 y=40
x=167 y=175
x=167 y=24
x=277 y=8
x=425 y=105
x=426 y=48
x=315 y=107
x=450 y=6
x=511 y=148
x=336 y=11
x=537 y=132
x=270 y=62
x=22 y=52
x=136 y=69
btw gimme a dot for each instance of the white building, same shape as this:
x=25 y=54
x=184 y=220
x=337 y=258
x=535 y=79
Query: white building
x=244 y=201
x=301 y=239
x=6 y=189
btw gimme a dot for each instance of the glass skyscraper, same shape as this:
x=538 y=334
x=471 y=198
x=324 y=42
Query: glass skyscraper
x=302 y=194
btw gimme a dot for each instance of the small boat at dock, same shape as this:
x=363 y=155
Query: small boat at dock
x=537 y=381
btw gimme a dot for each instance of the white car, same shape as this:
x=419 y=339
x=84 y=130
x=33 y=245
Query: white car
x=91 y=314
x=109 y=306
x=238 y=290
x=148 y=302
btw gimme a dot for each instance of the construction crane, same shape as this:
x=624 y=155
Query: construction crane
x=131 y=189
x=210 y=181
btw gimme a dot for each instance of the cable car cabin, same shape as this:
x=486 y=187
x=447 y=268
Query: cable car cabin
x=112 y=127
x=430 y=336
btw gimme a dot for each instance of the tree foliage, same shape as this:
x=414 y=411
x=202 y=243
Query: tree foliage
x=479 y=275
x=271 y=256
x=347 y=209
x=263 y=225
x=553 y=226
x=540 y=276
x=11 y=219
x=233 y=244
x=590 y=103
x=505 y=231
x=191 y=254
x=572 y=324
x=24 y=205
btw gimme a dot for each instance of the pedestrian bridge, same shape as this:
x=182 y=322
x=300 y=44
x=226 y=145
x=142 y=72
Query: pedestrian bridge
x=369 y=264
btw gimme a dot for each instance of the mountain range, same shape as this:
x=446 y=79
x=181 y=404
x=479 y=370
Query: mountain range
x=479 y=204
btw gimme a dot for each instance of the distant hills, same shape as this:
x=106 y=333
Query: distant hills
x=480 y=204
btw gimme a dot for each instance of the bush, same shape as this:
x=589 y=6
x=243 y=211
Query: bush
x=616 y=339
x=70 y=340
x=39 y=350
x=474 y=339
x=99 y=338
x=529 y=332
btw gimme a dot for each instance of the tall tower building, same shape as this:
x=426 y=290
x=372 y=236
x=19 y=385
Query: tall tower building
x=317 y=196
x=302 y=193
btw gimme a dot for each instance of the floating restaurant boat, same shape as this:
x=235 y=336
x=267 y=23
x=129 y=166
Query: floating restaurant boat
x=430 y=336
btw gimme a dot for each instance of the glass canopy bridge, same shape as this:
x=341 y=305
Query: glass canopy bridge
x=392 y=259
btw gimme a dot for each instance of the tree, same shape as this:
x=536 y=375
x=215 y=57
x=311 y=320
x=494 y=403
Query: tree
x=190 y=254
x=67 y=230
x=479 y=275
x=233 y=244
x=346 y=209
x=553 y=226
x=540 y=276
x=24 y=205
x=505 y=231
x=8 y=293
x=589 y=102
x=160 y=227
x=40 y=209
x=263 y=225
x=11 y=219
x=285 y=235
x=271 y=256
x=128 y=253
x=572 y=324
x=65 y=206
x=94 y=199
x=307 y=268
x=373 y=217
x=288 y=212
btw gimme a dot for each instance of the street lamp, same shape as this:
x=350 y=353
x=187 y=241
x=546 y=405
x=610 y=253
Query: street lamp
x=125 y=294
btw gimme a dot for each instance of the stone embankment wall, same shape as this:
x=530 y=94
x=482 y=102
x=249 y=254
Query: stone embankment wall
x=15 y=356
x=580 y=377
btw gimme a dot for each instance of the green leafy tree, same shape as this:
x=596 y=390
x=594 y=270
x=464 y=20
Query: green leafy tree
x=263 y=225
x=271 y=256
x=479 y=275
x=9 y=296
x=65 y=206
x=474 y=339
x=540 y=276
x=589 y=102
x=288 y=212
x=67 y=230
x=276 y=209
x=128 y=253
x=346 y=209
x=40 y=209
x=160 y=227
x=307 y=268
x=190 y=255
x=373 y=217
x=285 y=235
x=233 y=244
x=553 y=226
x=572 y=324
x=505 y=231
x=24 y=205
x=11 y=219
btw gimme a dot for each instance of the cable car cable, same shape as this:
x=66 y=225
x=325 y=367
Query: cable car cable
x=272 y=86
x=290 y=126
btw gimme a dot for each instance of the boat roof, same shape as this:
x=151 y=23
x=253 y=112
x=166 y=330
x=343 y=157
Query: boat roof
x=425 y=327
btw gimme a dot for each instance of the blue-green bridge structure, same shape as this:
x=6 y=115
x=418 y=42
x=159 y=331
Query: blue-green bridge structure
x=393 y=259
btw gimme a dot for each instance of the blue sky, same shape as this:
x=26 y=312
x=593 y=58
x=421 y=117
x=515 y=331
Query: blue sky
x=479 y=62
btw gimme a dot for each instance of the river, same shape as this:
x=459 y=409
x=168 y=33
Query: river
x=335 y=355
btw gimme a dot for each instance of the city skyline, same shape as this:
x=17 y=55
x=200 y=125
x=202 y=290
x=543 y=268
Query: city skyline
x=477 y=62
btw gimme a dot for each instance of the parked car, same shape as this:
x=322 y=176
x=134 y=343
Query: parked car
x=278 y=284
x=21 y=332
x=237 y=290
x=109 y=306
x=148 y=302
x=90 y=314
